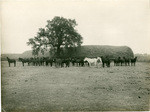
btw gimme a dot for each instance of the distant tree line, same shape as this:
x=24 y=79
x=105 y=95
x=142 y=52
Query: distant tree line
x=143 y=57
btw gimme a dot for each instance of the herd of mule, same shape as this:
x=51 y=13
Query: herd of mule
x=65 y=62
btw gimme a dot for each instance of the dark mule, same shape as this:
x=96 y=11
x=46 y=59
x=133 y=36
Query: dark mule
x=24 y=61
x=36 y=61
x=127 y=61
x=58 y=62
x=67 y=62
x=73 y=61
x=11 y=61
x=105 y=61
x=133 y=61
x=41 y=61
x=79 y=62
x=119 y=61
x=49 y=61
x=115 y=62
x=63 y=62
x=122 y=61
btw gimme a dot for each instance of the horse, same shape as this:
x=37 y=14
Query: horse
x=42 y=60
x=32 y=61
x=133 y=61
x=116 y=62
x=90 y=61
x=24 y=61
x=105 y=61
x=119 y=61
x=11 y=61
x=79 y=61
x=67 y=62
x=127 y=61
x=122 y=61
x=49 y=60
x=98 y=62
x=73 y=61
x=93 y=61
x=58 y=62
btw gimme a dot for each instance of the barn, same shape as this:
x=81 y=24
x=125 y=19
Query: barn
x=92 y=51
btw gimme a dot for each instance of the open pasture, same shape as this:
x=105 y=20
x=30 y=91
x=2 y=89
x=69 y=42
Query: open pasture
x=41 y=88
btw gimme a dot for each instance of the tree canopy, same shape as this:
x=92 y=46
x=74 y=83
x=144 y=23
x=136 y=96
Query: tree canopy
x=59 y=33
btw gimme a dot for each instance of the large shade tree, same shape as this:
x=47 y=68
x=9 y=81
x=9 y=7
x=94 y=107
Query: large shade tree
x=59 y=33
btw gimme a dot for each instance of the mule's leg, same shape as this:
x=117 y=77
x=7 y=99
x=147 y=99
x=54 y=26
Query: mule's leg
x=108 y=64
x=103 y=64
x=97 y=65
x=51 y=64
x=56 y=65
x=68 y=64
x=9 y=64
x=89 y=64
x=14 y=64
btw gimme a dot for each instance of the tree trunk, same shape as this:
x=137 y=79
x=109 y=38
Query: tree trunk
x=58 y=51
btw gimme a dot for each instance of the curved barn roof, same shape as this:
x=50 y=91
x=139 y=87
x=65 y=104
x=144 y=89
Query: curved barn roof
x=90 y=51
x=100 y=50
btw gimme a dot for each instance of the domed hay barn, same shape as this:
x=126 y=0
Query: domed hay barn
x=92 y=51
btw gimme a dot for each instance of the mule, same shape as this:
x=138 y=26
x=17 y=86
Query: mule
x=105 y=61
x=127 y=61
x=49 y=61
x=11 y=61
x=24 y=61
x=119 y=61
x=133 y=61
x=73 y=61
x=79 y=62
x=58 y=62
x=98 y=62
x=94 y=61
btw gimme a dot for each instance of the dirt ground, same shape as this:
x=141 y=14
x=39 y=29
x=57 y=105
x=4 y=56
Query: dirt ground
x=41 y=88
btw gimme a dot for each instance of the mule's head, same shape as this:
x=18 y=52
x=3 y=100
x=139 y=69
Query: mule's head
x=99 y=59
x=85 y=59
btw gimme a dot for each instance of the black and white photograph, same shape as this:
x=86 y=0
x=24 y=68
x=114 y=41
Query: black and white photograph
x=75 y=55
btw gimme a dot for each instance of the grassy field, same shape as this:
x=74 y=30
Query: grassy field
x=40 y=88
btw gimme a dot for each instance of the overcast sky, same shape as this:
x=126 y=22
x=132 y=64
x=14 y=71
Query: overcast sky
x=100 y=22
